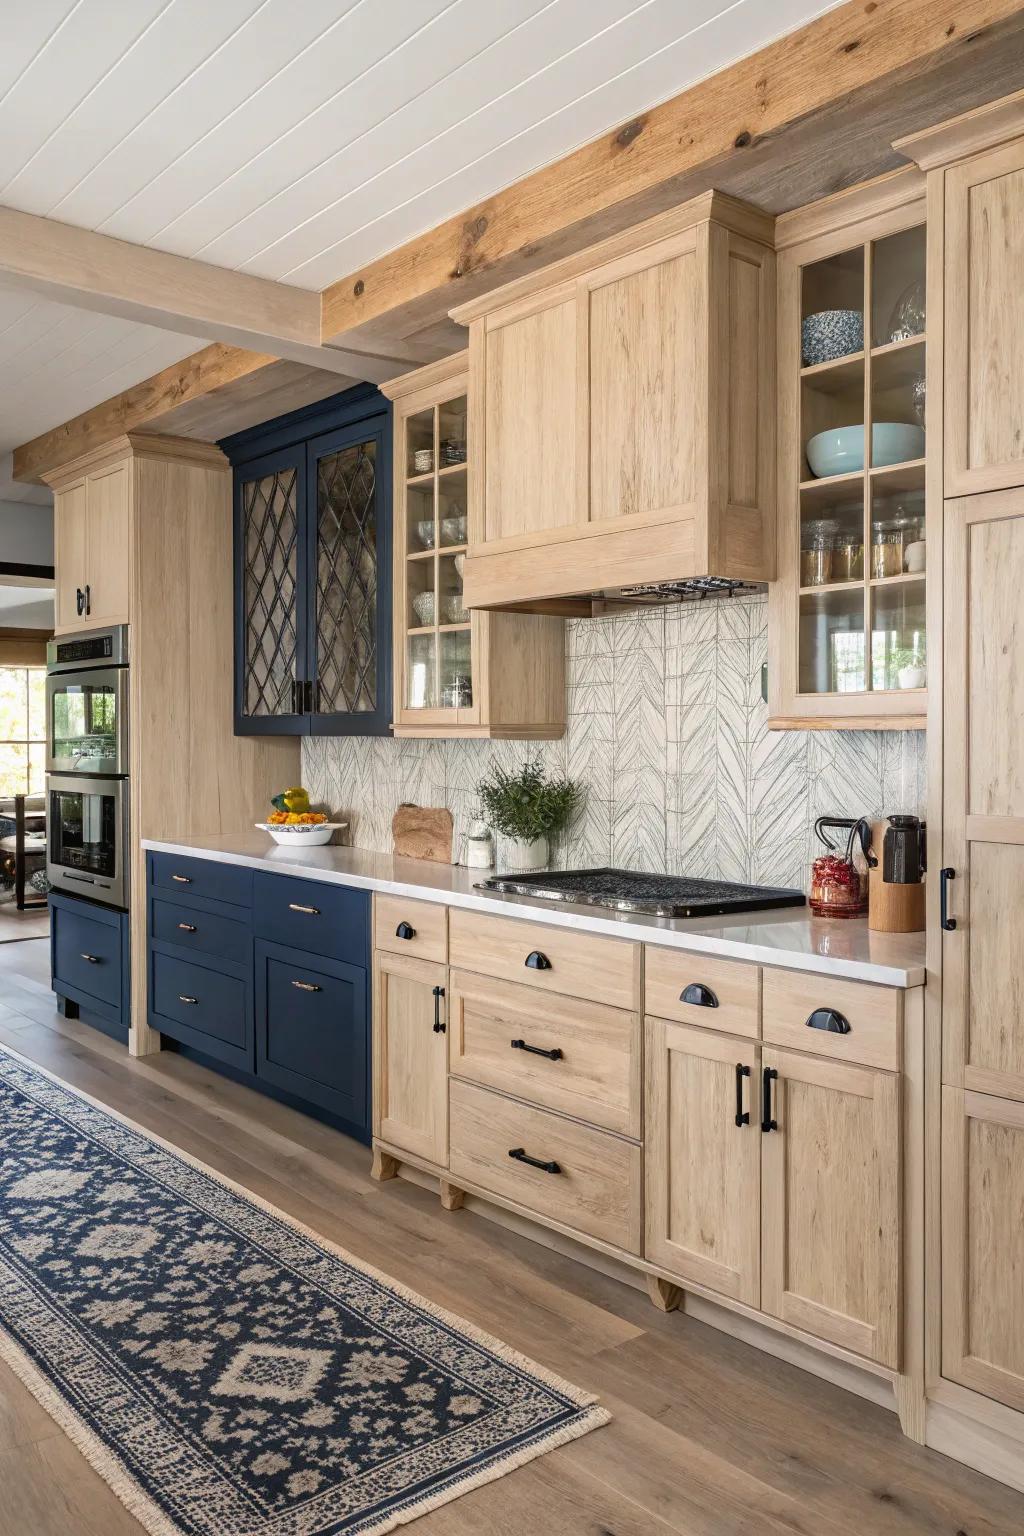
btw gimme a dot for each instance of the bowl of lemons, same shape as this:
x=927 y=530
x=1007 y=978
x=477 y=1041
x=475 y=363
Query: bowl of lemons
x=292 y=823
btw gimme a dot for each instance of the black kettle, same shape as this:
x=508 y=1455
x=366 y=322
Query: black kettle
x=904 y=851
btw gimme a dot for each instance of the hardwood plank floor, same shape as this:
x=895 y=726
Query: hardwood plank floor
x=710 y=1437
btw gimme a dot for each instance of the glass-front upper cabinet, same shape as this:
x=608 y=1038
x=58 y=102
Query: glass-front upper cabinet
x=456 y=673
x=313 y=570
x=847 y=642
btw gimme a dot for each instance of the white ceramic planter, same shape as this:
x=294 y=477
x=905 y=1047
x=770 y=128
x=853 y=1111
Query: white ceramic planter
x=912 y=677
x=520 y=857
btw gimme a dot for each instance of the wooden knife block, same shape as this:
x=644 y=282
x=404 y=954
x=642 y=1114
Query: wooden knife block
x=892 y=908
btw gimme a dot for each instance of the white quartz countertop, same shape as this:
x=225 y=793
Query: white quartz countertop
x=788 y=937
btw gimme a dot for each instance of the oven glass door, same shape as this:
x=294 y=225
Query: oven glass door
x=87 y=829
x=87 y=721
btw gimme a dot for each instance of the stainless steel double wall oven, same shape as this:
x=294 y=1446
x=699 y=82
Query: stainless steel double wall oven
x=87 y=764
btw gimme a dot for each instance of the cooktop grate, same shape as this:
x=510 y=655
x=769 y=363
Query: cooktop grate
x=627 y=890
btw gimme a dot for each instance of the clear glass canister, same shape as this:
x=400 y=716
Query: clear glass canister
x=817 y=543
x=848 y=558
x=886 y=548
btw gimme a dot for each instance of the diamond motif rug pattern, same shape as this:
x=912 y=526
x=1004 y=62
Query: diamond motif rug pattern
x=228 y=1372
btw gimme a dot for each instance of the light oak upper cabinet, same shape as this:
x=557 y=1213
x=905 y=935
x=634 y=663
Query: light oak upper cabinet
x=411 y=1056
x=703 y=1158
x=457 y=673
x=623 y=413
x=975 y=166
x=92 y=529
x=831 y=1213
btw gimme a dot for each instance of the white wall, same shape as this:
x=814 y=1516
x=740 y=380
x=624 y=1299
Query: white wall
x=26 y=533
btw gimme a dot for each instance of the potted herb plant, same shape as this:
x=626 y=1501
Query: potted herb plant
x=527 y=808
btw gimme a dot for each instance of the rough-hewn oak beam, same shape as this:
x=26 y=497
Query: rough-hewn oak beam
x=142 y=405
x=722 y=123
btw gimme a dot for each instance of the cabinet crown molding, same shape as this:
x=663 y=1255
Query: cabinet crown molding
x=842 y=210
x=982 y=128
x=732 y=214
x=432 y=376
x=137 y=445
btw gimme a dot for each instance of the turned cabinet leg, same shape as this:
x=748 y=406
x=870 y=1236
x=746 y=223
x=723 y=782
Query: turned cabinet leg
x=384 y=1166
x=451 y=1196
x=665 y=1296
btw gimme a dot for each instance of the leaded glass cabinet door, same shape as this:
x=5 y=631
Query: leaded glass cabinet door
x=270 y=578
x=350 y=589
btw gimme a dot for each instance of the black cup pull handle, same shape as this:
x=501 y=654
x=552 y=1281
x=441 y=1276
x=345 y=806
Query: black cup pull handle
x=699 y=995
x=405 y=931
x=535 y=961
x=830 y=1020
x=440 y=1027
x=945 y=921
x=742 y=1115
x=768 y=1076
x=522 y=1156
x=536 y=1050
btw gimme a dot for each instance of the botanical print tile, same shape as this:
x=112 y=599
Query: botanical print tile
x=667 y=731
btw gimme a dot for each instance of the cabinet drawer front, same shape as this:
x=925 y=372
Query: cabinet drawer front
x=578 y=1057
x=597 y=1188
x=730 y=989
x=202 y=877
x=87 y=955
x=200 y=1006
x=579 y=964
x=331 y=920
x=312 y=1028
x=874 y=1015
x=418 y=928
x=206 y=932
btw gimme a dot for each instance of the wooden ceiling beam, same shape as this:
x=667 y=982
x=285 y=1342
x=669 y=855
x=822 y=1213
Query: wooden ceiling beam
x=178 y=293
x=741 y=131
x=143 y=405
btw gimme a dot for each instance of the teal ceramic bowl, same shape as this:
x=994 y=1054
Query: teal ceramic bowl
x=840 y=451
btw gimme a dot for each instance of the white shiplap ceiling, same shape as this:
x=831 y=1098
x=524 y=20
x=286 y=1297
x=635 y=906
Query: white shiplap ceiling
x=299 y=139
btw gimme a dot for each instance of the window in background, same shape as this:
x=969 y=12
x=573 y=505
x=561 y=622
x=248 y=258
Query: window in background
x=22 y=730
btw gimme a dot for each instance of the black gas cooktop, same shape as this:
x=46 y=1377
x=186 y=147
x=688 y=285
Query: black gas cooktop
x=627 y=890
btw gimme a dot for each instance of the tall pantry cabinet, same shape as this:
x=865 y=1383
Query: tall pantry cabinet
x=975 y=167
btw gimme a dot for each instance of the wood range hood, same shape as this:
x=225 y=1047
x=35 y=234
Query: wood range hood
x=621 y=419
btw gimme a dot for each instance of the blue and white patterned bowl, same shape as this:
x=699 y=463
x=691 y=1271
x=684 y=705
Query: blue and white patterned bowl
x=831 y=333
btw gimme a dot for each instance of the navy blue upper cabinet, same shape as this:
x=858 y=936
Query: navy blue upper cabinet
x=313 y=569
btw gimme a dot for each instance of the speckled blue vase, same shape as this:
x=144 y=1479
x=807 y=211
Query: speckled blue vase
x=830 y=334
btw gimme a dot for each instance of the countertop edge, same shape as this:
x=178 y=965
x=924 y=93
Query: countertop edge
x=637 y=931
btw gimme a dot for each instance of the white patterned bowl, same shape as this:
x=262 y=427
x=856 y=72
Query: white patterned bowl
x=830 y=334
x=299 y=834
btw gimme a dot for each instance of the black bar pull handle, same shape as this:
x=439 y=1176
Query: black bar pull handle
x=535 y=961
x=698 y=994
x=405 y=931
x=79 y=601
x=768 y=1076
x=742 y=1115
x=536 y=1050
x=830 y=1020
x=945 y=921
x=88 y=600
x=440 y=1027
x=522 y=1156
x=308 y=707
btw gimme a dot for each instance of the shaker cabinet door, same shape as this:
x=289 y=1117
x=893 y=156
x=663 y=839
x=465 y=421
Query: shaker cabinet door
x=69 y=545
x=109 y=539
x=831 y=1202
x=411 y=1057
x=984 y=322
x=270 y=576
x=702 y=1194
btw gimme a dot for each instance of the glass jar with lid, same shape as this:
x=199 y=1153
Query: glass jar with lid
x=817 y=542
x=886 y=548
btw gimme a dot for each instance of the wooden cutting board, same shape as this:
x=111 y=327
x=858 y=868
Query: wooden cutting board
x=423 y=832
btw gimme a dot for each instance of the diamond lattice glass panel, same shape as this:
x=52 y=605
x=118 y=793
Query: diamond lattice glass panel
x=270 y=521
x=346 y=580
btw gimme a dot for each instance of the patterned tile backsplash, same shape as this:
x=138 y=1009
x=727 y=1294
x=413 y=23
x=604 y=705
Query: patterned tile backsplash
x=668 y=731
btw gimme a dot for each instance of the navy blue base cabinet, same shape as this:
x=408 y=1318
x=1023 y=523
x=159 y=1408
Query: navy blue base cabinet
x=265 y=977
x=89 y=963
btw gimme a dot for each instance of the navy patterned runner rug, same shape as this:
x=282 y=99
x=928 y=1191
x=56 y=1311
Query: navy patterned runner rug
x=228 y=1372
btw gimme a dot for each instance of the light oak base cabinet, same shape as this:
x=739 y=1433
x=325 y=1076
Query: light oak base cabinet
x=410 y=1054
